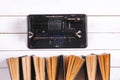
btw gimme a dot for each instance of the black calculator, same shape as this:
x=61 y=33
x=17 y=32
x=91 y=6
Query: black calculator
x=57 y=31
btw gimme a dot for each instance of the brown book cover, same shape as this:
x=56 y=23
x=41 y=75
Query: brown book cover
x=20 y=68
x=98 y=72
x=33 y=75
x=60 y=68
x=82 y=74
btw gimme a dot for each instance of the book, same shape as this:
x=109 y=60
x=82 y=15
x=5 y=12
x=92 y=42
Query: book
x=82 y=73
x=13 y=64
x=74 y=65
x=66 y=59
x=26 y=66
x=104 y=63
x=39 y=66
x=20 y=68
x=91 y=63
x=91 y=67
x=51 y=64
x=61 y=68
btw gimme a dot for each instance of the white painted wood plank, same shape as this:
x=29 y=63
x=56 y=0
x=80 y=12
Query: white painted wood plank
x=104 y=24
x=4 y=74
x=13 y=41
x=95 y=41
x=47 y=53
x=114 y=75
x=95 y=24
x=13 y=24
x=91 y=7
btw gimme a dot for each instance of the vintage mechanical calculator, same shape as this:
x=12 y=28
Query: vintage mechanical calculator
x=57 y=31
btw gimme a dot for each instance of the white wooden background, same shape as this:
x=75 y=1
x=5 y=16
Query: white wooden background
x=103 y=29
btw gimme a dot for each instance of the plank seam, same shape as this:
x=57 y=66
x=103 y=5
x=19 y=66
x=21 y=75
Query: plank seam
x=61 y=50
x=41 y=14
x=87 y=32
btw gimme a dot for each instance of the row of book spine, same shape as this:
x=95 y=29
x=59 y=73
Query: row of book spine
x=91 y=67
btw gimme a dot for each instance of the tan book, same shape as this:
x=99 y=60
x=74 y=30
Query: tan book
x=104 y=63
x=98 y=67
x=26 y=66
x=74 y=65
x=13 y=64
x=51 y=65
x=39 y=66
x=91 y=63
